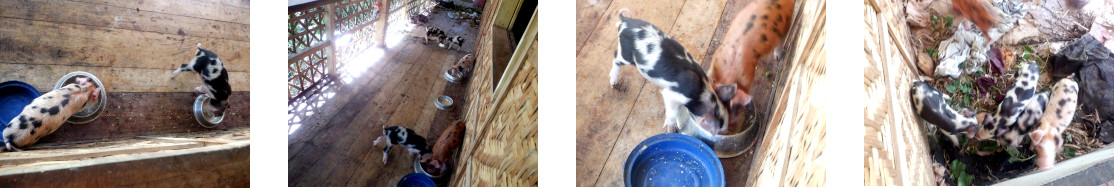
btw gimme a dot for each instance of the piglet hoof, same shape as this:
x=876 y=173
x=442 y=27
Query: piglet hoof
x=618 y=86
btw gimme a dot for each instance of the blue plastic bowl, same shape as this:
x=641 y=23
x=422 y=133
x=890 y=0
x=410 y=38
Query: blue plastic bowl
x=416 y=180
x=14 y=96
x=673 y=160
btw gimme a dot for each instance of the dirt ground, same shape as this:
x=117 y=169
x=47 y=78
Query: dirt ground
x=1081 y=137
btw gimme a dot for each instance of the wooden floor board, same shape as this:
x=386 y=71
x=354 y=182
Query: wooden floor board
x=336 y=148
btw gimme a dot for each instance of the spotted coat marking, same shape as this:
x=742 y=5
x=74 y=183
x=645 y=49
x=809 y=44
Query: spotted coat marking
x=665 y=62
x=930 y=105
x=755 y=32
x=45 y=114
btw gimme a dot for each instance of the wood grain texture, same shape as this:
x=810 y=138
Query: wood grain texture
x=132 y=46
x=94 y=154
x=214 y=166
x=136 y=114
x=333 y=146
x=218 y=10
x=98 y=15
x=43 y=77
x=50 y=43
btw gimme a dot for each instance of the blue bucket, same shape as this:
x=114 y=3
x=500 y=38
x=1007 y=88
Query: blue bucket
x=673 y=160
x=14 y=96
x=416 y=180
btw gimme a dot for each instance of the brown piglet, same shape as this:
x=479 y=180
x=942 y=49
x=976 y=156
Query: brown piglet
x=450 y=140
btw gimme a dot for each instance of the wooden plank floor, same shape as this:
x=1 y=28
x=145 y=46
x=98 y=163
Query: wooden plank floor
x=332 y=134
x=610 y=122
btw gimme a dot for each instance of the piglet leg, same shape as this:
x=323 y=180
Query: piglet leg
x=670 y=109
x=184 y=67
x=385 y=149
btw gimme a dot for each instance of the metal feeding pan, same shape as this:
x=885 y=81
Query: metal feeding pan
x=92 y=110
x=672 y=160
x=203 y=112
x=443 y=102
x=418 y=169
x=725 y=146
x=450 y=77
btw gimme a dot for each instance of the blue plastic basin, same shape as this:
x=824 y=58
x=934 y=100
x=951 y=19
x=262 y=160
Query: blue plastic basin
x=14 y=96
x=416 y=180
x=673 y=160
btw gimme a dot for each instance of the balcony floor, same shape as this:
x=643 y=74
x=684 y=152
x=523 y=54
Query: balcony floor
x=331 y=133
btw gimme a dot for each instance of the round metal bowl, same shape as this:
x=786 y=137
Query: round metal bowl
x=203 y=112
x=450 y=77
x=418 y=169
x=92 y=110
x=443 y=102
x=672 y=160
x=725 y=146
x=14 y=96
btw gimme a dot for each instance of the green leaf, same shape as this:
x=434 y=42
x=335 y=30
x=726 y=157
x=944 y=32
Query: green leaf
x=988 y=145
x=965 y=180
x=948 y=20
x=1027 y=49
x=950 y=88
x=1069 y=152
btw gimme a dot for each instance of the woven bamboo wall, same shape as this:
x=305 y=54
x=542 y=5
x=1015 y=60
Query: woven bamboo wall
x=793 y=142
x=500 y=145
x=896 y=152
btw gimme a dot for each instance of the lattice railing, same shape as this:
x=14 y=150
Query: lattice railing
x=324 y=35
x=306 y=46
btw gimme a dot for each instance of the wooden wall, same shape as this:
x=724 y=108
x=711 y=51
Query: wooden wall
x=132 y=47
x=896 y=146
x=505 y=17
x=500 y=146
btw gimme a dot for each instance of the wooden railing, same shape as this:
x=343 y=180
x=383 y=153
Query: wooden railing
x=325 y=34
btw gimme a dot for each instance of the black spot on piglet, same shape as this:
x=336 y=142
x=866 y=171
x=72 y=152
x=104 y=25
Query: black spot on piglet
x=51 y=111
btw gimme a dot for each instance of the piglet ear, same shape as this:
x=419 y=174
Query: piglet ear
x=1036 y=136
x=81 y=80
x=726 y=91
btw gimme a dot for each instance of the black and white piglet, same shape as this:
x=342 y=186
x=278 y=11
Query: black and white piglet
x=214 y=76
x=47 y=112
x=1017 y=98
x=453 y=41
x=398 y=135
x=667 y=64
x=1026 y=122
x=435 y=34
x=929 y=103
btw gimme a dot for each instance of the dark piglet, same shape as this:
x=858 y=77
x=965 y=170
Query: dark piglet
x=929 y=104
x=402 y=136
x=457 y=41
x=434 y=33
x=668 y=65
x=211 y=69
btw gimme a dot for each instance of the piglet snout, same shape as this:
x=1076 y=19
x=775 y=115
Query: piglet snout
x=1046 y=155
